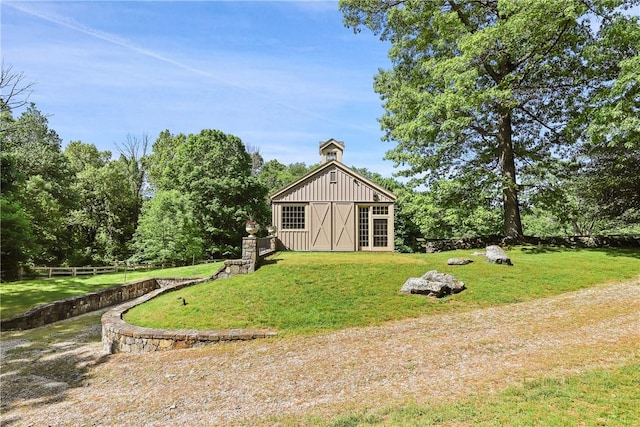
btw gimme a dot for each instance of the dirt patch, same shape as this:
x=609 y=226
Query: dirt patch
x=428 y=359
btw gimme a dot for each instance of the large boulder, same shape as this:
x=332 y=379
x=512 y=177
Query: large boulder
x=497 y=255
x=433 y=284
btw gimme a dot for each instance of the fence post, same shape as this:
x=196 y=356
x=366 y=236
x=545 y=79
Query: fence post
x=50 y=272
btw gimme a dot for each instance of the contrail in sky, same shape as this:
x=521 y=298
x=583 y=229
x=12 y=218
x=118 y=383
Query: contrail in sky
x=113 y=39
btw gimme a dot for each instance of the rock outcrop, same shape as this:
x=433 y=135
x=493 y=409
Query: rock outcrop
x=433 y=284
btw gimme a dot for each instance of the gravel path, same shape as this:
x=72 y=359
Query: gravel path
x=429 y=359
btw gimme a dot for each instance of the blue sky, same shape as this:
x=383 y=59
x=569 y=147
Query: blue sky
x=282 y=76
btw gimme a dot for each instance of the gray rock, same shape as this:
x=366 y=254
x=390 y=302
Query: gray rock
x=459 y=261
x=497 y=255
x=433 y=284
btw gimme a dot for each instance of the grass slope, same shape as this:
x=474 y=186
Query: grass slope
x=19 y=297
x=308 y=293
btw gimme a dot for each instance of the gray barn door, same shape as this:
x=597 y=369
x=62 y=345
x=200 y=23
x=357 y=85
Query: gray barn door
x=320 y=226
x=343 y=227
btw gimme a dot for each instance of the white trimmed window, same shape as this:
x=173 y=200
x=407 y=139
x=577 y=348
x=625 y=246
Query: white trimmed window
x=373 y=227
x=293 y=217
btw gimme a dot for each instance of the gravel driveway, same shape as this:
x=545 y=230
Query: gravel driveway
x=429 y=359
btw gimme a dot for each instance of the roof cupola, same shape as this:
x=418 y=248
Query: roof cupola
x=331 y=150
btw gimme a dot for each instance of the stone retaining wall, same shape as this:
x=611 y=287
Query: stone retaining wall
x=74 y=306
x=119 y=336
x=618 y=241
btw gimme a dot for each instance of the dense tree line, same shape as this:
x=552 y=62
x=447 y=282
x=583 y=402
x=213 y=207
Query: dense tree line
x=188 y=199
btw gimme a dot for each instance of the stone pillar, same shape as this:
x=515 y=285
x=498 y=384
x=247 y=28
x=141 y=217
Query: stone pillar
x=250 y=251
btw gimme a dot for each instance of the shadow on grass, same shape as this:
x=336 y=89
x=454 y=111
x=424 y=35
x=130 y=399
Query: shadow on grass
x=269 y=261
x=40 y=366
x=620 y=252
x=533 y=250
x=614 y=252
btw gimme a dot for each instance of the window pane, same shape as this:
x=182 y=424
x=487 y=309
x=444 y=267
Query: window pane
x=363 y=228
x=381 y=210
x=380 y=233
x=293 y=218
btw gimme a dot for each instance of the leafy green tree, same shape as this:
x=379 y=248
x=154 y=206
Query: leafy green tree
x=87 y=217
x=454 y=209
x=275 y=175
x=117 y=204
x=492 y=86
x=157 y=164
x=594 y=194
x=214 y=171
x=37 y=150
x=132 y=153
x=17 y=238
x=83 y=156
x=41 y=184
x=167 y=231
x=610 y=181
x=17 y=241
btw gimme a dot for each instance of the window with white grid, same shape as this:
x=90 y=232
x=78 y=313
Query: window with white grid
x=380 y=210
x=293 y=217
x=363 y=226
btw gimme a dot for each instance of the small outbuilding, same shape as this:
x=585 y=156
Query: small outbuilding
x=333 y=208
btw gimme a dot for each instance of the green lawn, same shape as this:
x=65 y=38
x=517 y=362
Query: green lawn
x=603 y=397
x=19 y=297
x=301 y=293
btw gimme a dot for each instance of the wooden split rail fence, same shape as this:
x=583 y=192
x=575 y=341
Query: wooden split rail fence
x=73 y=271
x=82 y=271
x=87 y=270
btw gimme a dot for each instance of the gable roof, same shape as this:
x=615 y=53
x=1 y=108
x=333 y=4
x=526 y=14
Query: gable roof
x=334 y=163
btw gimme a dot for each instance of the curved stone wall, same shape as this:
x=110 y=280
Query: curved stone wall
x=119 y=336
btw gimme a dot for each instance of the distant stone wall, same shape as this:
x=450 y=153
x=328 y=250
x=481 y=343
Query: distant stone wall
x=614 y=241
x=81 y=304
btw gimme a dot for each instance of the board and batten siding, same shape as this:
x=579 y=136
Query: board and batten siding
x=292 y=239
x=320 y=188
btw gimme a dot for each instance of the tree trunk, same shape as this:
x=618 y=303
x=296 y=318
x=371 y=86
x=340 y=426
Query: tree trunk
x=511 y=208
